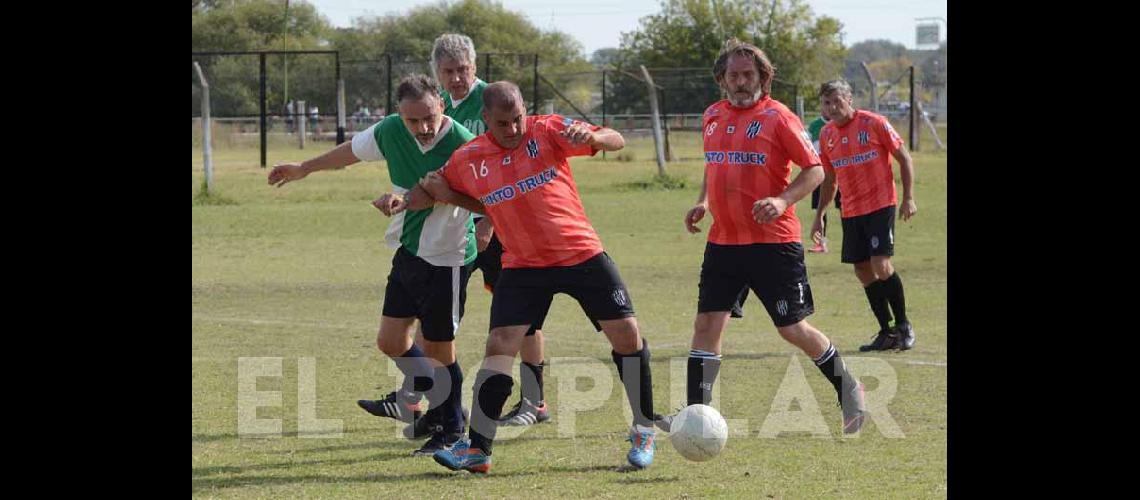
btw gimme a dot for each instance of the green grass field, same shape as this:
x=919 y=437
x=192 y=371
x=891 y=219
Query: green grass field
x=297 y=273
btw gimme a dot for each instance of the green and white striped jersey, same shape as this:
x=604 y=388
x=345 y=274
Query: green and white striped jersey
x=469 y=111
x=443 y=235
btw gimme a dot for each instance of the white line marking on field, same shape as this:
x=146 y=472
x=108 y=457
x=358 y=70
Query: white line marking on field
x=255 y=321
x=926 y=363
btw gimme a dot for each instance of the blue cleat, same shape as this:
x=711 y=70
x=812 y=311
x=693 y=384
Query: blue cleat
x=461 y=456
x=644 y=444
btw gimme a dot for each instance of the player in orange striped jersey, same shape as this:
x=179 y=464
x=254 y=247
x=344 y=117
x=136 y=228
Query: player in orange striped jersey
x=750 y=140
x=856 y=149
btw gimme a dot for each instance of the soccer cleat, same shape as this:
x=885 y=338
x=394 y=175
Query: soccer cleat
x=818 y=248
x=425 y=426
x=461 y=456
x=664 y=422
x=393 y=407
x=854 y=408
x=905 y=334
x=644 y=444
x=885 y=340
x=439 y=441
x=422 y=428
x=525 y=413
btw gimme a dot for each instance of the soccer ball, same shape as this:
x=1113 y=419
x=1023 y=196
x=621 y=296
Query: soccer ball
x=698 y=432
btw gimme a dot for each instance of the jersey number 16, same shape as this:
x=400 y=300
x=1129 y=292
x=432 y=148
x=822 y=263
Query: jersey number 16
x=482 y=169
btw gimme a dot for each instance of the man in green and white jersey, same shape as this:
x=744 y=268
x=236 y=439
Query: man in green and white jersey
x=434 y=245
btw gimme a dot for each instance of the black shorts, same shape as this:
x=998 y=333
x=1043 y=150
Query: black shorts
x=523 y=295
x=490 y=261
x=869 y=235
x=774 y=271
x=433 y=294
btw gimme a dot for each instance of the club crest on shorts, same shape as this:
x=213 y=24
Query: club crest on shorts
x=619 y=297
x=874 y=242
x=782 y=307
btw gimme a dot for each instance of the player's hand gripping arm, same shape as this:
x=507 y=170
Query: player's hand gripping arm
x=436 y=186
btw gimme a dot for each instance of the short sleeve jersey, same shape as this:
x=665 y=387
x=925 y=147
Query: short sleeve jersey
x=469 y=111
x=529 y=193
x=443 y=235
x=748 y=156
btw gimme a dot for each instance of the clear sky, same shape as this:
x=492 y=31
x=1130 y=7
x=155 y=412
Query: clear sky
x=599 y=23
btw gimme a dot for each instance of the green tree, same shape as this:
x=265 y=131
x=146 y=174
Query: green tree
x=805 y=49
x=256 y=25
x=408 y=39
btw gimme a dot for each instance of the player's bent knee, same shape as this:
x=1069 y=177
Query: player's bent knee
x=883 y=268
x=794 y=332
x=505 y=340
x=392 y=347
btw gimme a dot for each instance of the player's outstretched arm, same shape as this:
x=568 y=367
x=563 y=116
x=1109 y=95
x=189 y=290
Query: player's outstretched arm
x=337 y=158
x=606 y=139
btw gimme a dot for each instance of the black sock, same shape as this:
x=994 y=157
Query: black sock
x=491 y=391
x=703 y=369
x=835 y=370
x=531 y=381
x=417 y=372
x=639 y=383
x=454 y=413
x=879 y=304
x=894 y=293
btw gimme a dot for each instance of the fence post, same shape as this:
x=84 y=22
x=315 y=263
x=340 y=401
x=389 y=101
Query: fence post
x=264 y=124
x=604 y=105
x=339 y=103
x=301 y=118
x=665 y=125
x=874 y=87
x=388 y=109
x=913 y=111
x=658 y=141
x=340 y=111
x=207 y=161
